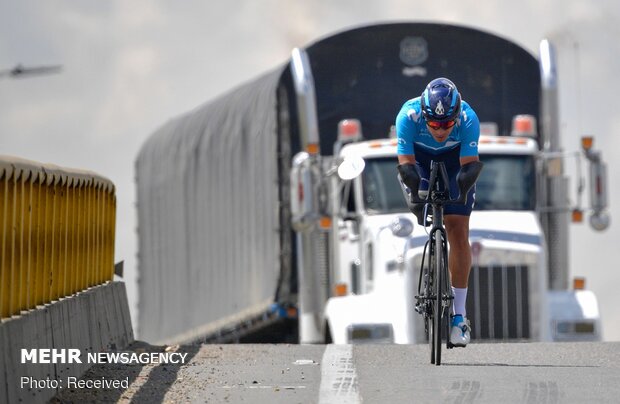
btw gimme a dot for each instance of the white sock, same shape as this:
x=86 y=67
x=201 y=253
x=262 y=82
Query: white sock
x=460 y=295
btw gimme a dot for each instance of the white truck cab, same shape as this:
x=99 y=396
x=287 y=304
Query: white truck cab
x=375 y=271
x=359 y=254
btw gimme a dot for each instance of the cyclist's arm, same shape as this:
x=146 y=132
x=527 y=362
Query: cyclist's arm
x=466 y=159
x=406 y=159
x=471 y=133
x=406 y=128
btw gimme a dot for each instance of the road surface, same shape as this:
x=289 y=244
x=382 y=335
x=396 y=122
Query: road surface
x=481 y=373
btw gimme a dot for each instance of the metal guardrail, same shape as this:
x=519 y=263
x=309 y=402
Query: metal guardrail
x=56 y=233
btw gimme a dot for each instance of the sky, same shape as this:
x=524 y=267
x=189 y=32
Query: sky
x=129 y=66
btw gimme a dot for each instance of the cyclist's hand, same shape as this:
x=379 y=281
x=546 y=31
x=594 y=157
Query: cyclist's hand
x=467 y=177
x=409 y=175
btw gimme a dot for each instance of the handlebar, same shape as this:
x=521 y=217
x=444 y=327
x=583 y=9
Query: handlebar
x=466 y=178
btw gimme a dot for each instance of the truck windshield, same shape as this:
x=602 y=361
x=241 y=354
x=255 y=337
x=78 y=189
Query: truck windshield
x=382 y=193
x=506 y=183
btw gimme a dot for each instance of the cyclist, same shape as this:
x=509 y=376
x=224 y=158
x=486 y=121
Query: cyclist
x=440 y=126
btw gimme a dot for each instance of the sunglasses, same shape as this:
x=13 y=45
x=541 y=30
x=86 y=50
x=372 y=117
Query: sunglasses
x=440 y=125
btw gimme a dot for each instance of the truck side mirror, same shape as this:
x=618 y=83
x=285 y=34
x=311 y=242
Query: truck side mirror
x=599 y=220
x=401 y=227
x=467 y=176
x=351 y=167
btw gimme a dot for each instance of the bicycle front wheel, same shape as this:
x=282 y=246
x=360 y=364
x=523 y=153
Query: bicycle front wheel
x=438 y=311
x=429 y=307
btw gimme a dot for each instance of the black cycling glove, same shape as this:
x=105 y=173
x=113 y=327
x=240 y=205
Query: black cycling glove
x=409 y=176
x=468 y=175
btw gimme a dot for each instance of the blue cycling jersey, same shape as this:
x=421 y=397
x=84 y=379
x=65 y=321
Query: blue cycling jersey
x=414 y=135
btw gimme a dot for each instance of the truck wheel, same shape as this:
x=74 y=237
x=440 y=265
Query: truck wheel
x=328 y=334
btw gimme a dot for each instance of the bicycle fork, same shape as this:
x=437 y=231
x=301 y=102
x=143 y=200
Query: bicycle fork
x=426 y=295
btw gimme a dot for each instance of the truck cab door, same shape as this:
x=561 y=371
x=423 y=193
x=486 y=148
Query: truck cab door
x=348 y=237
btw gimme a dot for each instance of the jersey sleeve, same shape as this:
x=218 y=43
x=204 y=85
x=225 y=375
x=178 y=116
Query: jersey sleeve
x=470 y=128
x=405 y=129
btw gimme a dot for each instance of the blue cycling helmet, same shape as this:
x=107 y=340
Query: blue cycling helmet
x=441 y=101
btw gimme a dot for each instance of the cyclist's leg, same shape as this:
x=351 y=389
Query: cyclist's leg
x=459 y=262
x=456 y=221
x=457 y=227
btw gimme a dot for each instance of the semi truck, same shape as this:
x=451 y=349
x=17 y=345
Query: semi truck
x=273 y=212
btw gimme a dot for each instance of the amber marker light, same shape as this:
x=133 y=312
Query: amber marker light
x=312 y=148
x=577 y=216
x=579 y=283
x=587 y=142
x=325 y=222
x=340 y=289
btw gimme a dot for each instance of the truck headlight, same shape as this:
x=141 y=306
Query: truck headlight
x=566 y=329
x=370 y=333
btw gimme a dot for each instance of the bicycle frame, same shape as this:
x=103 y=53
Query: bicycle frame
x=434 y=292
x=437 y=294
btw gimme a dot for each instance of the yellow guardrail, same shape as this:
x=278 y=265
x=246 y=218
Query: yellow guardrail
x=56 y=233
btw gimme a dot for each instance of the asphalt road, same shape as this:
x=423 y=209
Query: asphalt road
x=481 y=373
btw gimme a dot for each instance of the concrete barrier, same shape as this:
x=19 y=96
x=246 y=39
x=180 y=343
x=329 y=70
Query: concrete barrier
x=94 y=320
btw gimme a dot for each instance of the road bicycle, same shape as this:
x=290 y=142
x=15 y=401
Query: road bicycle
x=434 y=298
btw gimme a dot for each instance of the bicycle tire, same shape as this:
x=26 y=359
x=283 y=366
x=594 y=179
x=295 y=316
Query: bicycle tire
x=448 y=298
x=438 y=301
x=428 y=316
x=430 y=289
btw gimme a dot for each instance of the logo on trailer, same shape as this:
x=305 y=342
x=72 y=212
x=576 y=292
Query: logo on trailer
x=413 y=50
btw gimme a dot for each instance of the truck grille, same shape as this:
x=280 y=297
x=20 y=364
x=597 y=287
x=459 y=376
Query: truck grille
x=498 y=302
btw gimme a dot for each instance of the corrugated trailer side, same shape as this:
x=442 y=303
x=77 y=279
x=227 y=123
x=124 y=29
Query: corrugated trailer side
x=209 y=227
